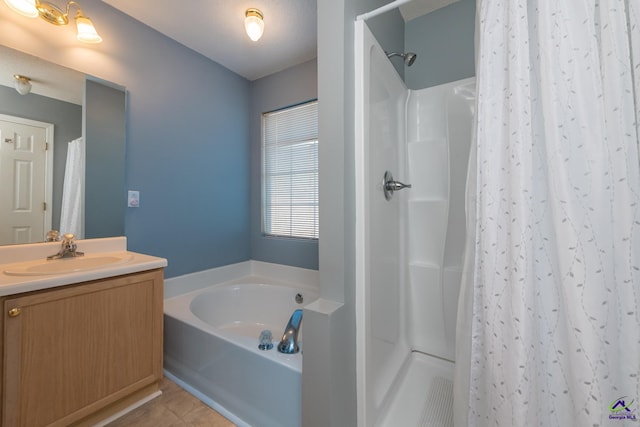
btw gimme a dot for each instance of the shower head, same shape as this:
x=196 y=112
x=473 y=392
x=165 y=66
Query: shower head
x=408 y=57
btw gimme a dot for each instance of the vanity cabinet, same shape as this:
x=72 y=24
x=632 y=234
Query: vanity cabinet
x=75 y=354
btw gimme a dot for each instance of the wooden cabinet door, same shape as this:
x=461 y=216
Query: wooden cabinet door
x=71 y=351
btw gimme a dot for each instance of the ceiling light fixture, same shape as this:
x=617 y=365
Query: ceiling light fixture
x=22 y=84
x=253 y=23
x=56 y=16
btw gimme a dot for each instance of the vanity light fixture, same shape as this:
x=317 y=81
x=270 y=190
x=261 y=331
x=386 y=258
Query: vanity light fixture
x=253 y=23
x=22 y=84
x=56 y=16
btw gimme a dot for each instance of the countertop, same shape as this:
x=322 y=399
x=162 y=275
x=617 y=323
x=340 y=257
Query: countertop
x=14 y=256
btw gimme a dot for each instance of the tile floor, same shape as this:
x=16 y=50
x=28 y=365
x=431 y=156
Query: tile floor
x=175 y=407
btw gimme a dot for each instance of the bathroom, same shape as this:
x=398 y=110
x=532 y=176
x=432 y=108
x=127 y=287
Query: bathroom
x=187 y=217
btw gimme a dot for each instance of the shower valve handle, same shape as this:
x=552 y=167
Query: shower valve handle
x=389 y=185
x=396 y=185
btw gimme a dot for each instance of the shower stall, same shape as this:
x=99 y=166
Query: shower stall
x=409 y=246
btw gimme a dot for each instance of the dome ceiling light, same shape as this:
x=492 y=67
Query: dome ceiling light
x=253 y=23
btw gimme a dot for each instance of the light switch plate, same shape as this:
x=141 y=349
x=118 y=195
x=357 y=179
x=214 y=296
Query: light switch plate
x=133 y=199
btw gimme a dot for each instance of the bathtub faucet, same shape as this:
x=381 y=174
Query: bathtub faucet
x=289 y=342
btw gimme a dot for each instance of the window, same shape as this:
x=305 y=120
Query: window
x=290 y=172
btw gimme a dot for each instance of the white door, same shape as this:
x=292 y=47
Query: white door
x=26 y=174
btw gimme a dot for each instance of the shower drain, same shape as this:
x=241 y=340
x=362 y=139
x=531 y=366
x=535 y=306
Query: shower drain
x=438 y=407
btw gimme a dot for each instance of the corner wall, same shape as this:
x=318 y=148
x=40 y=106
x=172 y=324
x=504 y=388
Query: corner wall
x=285 y=88
x=444 y=42
x=105 y=141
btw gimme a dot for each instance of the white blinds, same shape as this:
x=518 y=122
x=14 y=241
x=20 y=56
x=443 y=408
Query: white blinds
x=290 y=171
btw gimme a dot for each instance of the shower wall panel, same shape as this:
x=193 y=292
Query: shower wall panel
x=438 y=138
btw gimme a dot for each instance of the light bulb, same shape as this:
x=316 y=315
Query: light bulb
x=86 y=31
x=23 y=7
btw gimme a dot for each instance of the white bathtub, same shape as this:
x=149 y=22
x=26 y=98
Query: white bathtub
x=211 y=345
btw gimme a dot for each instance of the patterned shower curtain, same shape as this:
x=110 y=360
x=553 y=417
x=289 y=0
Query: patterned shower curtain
x=549 y=319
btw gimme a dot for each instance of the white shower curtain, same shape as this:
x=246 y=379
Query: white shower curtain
x=549 y=322
x=71 y=216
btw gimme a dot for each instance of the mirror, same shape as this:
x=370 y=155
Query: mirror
x=77 y=106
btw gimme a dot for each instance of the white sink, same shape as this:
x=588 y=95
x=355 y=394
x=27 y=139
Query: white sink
x=67 y=265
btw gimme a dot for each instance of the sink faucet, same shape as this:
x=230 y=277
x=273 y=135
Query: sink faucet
x=289 y=342
x=68 y=249
x=53 y=236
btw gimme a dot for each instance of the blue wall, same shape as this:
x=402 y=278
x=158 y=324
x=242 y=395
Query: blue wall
x=188 y=155
x=187 y=148
x=288 y=87
x=444 y=42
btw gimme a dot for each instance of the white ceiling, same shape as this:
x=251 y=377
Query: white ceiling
x=215 y=29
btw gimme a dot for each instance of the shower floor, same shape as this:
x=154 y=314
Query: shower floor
x=423 y=395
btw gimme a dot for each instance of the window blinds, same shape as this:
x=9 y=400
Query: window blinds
x=290 y=171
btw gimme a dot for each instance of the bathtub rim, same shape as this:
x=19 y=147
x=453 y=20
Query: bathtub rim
x=273 y=273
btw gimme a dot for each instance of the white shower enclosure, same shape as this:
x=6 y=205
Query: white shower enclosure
x=409 y=250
